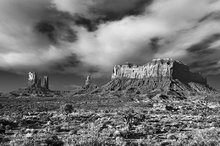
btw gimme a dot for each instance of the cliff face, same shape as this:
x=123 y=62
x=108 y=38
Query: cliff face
x=158 y=68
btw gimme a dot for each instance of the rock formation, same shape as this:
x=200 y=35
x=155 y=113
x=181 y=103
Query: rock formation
x=45 y=83
x=88 y=80
x=32 y=79
x=165 y=75
x=36 y=86
x=35 y=82
x=88 y=87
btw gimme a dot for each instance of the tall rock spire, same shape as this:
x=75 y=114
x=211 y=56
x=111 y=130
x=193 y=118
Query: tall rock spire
x=45 y=83
x=88 y=80
x=32 y=79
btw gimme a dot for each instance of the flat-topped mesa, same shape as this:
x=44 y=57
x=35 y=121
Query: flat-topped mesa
x=158 y=68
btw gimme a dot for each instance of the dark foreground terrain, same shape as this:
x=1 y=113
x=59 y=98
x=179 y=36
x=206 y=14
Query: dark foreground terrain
x=113 y=119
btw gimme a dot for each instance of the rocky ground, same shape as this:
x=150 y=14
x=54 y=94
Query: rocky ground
x=113 y=119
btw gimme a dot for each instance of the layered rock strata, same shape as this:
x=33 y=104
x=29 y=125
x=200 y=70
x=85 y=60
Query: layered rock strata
x=158 y=68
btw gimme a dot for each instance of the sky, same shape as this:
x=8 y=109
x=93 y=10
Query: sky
x=69 y=39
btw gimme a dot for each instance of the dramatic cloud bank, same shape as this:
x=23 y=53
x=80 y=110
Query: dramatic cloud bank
x=90 y=36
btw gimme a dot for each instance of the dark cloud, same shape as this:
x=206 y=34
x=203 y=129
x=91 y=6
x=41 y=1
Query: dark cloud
x=155 y=44
x=117 y=9
x=93 y=70
x=204 y=66
x=202 y=48
x=94 y=13
x=58 y=28
x=72 y=61
x=211 y=16
x=47 y=29
x=203 y=63
x=91 y=25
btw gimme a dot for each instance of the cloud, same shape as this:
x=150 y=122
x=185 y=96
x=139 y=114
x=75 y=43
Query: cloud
x=105 y=9
x=106 y=46
x=81 y=36
x=56 y=31
x=26 y=42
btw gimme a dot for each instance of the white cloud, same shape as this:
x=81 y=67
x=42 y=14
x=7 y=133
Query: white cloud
x=116 y=41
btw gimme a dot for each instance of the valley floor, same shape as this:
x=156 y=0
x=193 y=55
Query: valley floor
x=108 y=121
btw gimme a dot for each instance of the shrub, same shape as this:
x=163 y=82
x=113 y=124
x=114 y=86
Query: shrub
x=1 y=106
x=67 y=108
x=92 y=143
x=54 y=141
x=2 y=129
x=3 y=139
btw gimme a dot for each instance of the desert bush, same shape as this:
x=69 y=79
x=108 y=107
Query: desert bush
x=54 y=141
x=2 y=129
x=144 y=105
x=1 y=106
x=67 y=108
x=29 y=143
x=92 y=143
x=212 y=134
x=3 y=139
x=204 y=137
x=8 y=127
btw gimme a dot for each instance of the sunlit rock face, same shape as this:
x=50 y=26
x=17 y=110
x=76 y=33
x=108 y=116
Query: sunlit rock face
x=33 y=80
x=158 y=68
